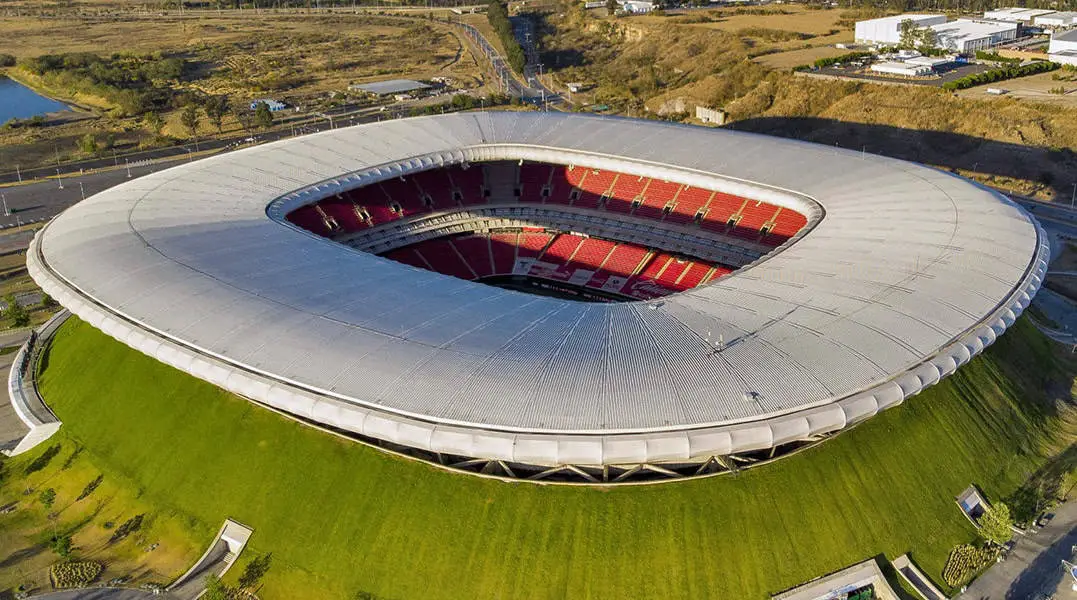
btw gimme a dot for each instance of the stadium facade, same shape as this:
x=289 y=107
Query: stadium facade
x=774 y=293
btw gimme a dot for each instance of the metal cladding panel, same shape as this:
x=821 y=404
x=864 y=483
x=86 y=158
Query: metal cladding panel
x=904 y=273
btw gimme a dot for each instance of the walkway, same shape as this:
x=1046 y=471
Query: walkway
x=1033 y=570
x=24 y=401
x=218 y=558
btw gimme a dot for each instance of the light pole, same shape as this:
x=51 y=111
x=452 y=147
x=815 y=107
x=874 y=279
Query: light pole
x=127 y=162
x=1073 y=196
x=59 y=179
x=82 y=191
x=7 y=213
x=18 y=173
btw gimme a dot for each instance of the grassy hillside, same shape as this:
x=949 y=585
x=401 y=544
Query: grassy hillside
x=341 y=518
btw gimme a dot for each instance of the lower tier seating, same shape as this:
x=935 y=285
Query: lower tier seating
x=620 y=268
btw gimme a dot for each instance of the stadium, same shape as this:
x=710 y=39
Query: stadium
x=550 y=296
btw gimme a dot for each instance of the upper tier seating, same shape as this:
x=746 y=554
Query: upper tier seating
x=593 y=189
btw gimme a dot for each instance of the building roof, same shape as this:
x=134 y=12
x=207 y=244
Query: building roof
x=1058 y=16
x=969 y=29
x=903 y=273
x=897 y=19
x=391 y=86
x=1065 y=36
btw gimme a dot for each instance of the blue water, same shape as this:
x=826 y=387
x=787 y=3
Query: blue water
x=20 y=102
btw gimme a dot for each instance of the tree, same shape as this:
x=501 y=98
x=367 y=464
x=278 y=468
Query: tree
x=996 y=524
x=154 y=122
x=47 y=497
x=216 y=109
x=928 y=39
x=909 y=35
x=263 y=117
x=15 y=312
x=611 y=7
x=190 y=119
x=47 y=301
x=87 y=144
x=61 y=545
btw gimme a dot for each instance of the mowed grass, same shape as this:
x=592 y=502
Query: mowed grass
x=340 y=517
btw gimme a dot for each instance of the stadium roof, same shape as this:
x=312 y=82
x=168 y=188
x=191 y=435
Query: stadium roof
x=903 y=273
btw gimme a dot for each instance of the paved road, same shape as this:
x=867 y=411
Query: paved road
x=103 y=594
x=1033 y=571
x=12 y=429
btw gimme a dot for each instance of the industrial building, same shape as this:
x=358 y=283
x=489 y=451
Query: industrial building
x=1063 y=47
x=903 y=69
x=966 y=36
x=1023 y=16
x=1056 y=20
x=886 y=31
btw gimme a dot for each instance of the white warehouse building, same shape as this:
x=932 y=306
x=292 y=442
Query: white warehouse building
x=1025 y=16
x=1057 y=20
x=969 y=35
x=1063 y=48
x=887 y=30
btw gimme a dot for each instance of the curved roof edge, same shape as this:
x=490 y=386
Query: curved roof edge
x=549 y=449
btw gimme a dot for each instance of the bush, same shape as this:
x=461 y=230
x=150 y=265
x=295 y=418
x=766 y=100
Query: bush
x=996 y=57
x=75 y=574
x=7 y=60
x=999 y=75
x=964 y=562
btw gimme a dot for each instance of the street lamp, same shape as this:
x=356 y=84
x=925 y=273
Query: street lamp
x=7 y=213
x=127 y=162
x=59 y=179
x=82 y=191
x=1073 y=196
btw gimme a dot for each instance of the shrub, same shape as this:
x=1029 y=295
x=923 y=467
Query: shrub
x=999 y=75
x=47 y=497
x=75 y=574
x=964 y=562
x=7 y=60
x=996 y=57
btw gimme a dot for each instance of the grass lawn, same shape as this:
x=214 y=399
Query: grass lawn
x=341 y=518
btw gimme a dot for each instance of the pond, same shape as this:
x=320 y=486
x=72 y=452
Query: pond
x=20 y=102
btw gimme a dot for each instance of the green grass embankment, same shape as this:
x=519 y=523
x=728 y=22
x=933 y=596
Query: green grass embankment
x=341 y=518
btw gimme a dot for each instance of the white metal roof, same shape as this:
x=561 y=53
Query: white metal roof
x=904 y=274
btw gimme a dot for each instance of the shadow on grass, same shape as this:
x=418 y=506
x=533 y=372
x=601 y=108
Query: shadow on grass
x=1054 y=168
x=1043 y=486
